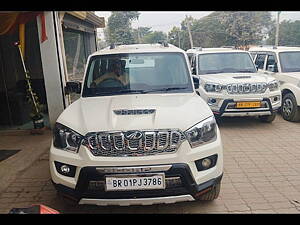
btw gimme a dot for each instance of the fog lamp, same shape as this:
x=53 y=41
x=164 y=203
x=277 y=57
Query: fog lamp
x=211 y=101
x=206 y=163
x=65 y=169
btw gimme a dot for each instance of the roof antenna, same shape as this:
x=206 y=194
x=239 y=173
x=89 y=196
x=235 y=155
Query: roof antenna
x=163 y=43
x=112 y=46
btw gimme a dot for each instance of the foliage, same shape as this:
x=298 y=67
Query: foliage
x=140 y=33
x=289 y=33
x=223 y=28
x=246 y=28
x=119 y=27
x=154 y=37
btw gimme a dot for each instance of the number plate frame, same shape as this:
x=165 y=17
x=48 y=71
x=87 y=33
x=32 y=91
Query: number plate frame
x=110 y=178
x=254 y=104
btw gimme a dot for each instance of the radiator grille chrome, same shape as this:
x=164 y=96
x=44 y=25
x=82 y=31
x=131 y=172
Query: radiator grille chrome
x=246 y=88
x=134 y=143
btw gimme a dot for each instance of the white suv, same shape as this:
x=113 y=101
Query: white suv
x=139 y=133
x=283 y=63
x=231 y=85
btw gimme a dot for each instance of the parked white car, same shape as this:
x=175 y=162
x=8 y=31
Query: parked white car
x=283 y=63
x=142 y=136
x=231 y=85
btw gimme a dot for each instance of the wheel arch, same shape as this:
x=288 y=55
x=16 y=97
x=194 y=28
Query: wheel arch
x=293 y=90
x=286 y=91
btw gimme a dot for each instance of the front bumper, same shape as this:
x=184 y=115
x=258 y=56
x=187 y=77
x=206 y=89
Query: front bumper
x=185 y=190
x=182 y=164
x=225 y=109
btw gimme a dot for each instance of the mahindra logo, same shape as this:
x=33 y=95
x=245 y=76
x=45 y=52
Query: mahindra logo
x=133 y=135
x=133 y=111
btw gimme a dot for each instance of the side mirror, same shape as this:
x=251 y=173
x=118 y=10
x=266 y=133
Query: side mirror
x=196 y=81
x=73 y=87
x=272 y=68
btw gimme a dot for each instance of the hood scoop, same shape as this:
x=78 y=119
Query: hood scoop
x=242 y=77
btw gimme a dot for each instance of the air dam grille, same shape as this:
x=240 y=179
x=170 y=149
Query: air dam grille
x=134 y=143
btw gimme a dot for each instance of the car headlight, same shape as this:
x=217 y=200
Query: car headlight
x=66 y=139
x=203 y=132
x=273 y=85
x=210 y=87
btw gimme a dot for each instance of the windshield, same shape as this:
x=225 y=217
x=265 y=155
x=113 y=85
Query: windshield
x=290 y=61
x=137 y=73
x=232 y=62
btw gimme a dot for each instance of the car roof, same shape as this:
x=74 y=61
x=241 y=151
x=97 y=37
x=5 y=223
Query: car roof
x=274 y=49
x=138 y=48
x=213 y=50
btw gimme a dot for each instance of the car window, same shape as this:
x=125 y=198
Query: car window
x=137 y=72
x=271 y=60
x=260 y=61
x=290 y=61
x=229 y=62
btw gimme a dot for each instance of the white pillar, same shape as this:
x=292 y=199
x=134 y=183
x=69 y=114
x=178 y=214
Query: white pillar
x=53 y=68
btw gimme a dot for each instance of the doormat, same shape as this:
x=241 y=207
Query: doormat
x=4 y=154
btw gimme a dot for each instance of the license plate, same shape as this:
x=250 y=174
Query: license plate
x=130 y=182
x=248 y=104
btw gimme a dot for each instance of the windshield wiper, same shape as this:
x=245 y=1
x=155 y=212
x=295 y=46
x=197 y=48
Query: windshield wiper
x=136 y=91
x=131 y=91
x=245 y=71
x=124 y=91
x=210 y=72
x=166 y=89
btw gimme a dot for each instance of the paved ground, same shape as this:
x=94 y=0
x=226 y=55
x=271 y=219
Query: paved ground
x=261 y=175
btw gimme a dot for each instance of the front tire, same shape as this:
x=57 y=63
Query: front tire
x=289 y=108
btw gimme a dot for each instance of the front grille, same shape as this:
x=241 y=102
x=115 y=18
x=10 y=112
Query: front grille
x=134 y=143
x=246 y=88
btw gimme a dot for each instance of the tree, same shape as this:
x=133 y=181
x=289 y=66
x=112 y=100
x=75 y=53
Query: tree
x=140 y=32
x=209 y=32
x=119 y=27
x=179 y=36
x=223 y=28
x=154 y=37
x=289 y=33
x=246 y=28
x=175 y=36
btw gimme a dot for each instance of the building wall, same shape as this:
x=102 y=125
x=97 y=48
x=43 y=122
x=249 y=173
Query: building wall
x=54 y=60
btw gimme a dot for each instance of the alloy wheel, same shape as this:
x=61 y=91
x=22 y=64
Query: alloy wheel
x=288 y=107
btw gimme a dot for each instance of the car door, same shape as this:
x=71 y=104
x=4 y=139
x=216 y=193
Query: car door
x=260 y=61
x=271 y=65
